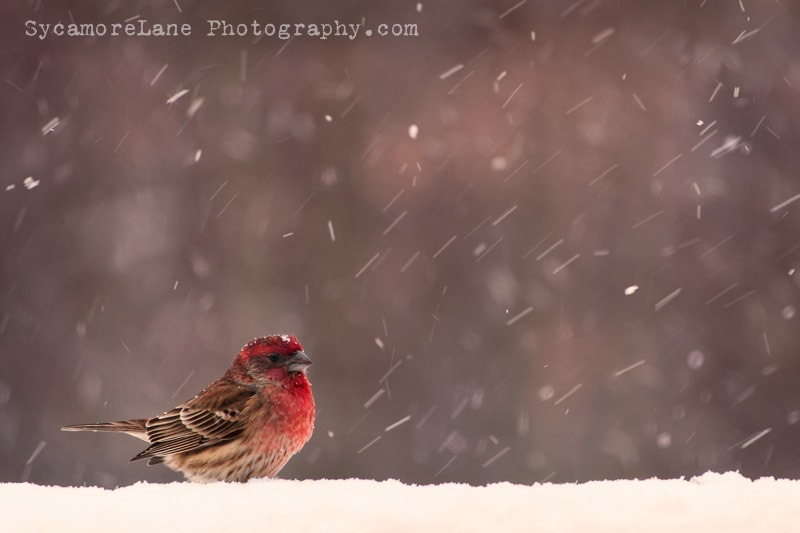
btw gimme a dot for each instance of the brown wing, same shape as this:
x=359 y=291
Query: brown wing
x=212 y=417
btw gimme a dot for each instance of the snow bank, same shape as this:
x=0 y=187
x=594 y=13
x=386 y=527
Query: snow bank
x=712 y=502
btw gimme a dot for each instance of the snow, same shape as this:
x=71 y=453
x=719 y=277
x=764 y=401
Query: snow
x=175 y=97
x=711 y=502
x=449 y=72
x=30 y=183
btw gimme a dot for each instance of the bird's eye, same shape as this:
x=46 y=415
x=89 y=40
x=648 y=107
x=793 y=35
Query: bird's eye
x=274 y=358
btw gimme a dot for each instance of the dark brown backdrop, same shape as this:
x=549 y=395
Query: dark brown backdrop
x=648 y=141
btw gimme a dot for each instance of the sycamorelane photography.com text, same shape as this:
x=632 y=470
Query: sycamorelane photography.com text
x=219 y=28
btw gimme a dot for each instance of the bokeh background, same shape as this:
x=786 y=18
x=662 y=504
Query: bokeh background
x=546 y=238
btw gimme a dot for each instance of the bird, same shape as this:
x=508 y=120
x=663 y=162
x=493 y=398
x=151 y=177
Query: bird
x=247 y=424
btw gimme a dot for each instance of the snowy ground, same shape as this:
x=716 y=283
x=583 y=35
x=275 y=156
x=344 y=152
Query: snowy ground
x=712 y=502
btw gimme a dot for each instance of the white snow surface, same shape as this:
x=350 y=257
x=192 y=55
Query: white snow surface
x=711 y=502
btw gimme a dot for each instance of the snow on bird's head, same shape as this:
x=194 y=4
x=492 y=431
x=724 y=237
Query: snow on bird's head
x=280 y=344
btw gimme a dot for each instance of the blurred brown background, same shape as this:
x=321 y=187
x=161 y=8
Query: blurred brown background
x=581 y=149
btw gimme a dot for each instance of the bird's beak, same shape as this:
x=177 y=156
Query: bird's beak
x=298 y=362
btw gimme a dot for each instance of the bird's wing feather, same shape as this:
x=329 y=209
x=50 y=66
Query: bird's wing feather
x=170 y=447
x=212 y=417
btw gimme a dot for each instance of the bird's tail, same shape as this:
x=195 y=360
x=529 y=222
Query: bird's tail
x=135 y=428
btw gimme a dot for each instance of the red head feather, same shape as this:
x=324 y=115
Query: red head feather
x=280 y=344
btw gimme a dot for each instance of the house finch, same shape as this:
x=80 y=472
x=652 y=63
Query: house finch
x=248 y=423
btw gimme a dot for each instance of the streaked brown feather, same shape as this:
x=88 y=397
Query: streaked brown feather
x=170 y=447
x=135 y=427
x=212 y=417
